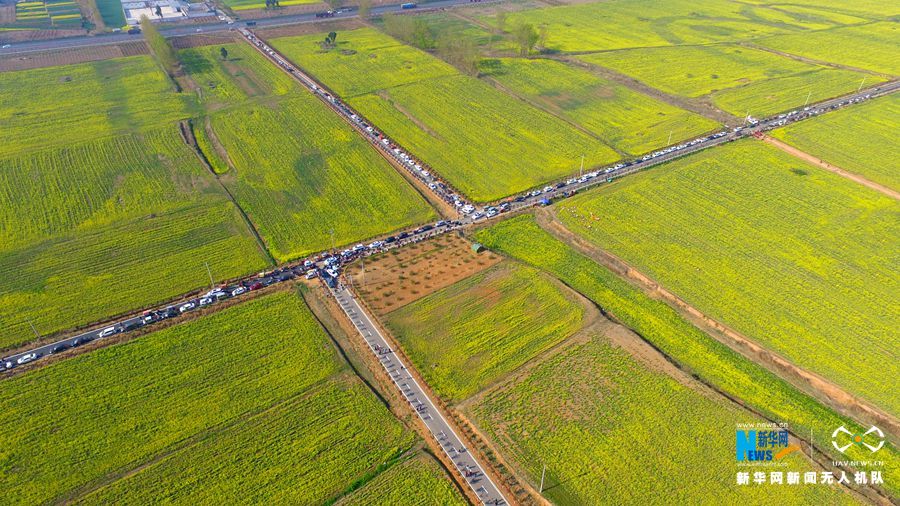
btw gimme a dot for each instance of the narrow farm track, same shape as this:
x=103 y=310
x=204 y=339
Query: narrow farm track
x=556 y=114
x=814 y=61
x=441 y=191
x=806 y=157
x=187 y=133
x=631 y=83
x=820 y=388
x=810 y=447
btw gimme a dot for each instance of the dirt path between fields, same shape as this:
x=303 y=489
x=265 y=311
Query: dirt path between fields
x=695 y=106
x=821 y=389
x=803 y=155
x=605 y=326
x=813 y=61
x=187 y=134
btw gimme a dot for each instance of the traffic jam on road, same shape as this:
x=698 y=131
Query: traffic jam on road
x=327 y=266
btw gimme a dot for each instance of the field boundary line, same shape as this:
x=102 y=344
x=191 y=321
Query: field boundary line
x=813 y=61
x=820 y=457
x=558 y=115
x=347 y=299
x=187 y=134
x=396 y=404
x=822 y=164
x=691 y=105
x=819 y=388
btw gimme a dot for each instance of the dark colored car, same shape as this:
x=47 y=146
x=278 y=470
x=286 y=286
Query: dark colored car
x=255 y=286
x=58 y=348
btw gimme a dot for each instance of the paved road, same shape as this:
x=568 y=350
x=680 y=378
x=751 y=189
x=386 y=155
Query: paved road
x=467 y=465
x=443 y=191
x=177 y=30
x=469 y=213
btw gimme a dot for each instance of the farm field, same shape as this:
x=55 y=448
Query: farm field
x=736 y=79
x=364 y=61
x=302 y=173
x=526 y=148
x=642 y=23
x=861 y=139
x=262 y=367
x=867 y=9
x=660 y=325
x=49 y=14
x=111 y=12
x=243 y=75
x=871 y=46
x=628 y=121
x=418 y=481
x=590 y=413
x=100 y=228
x=794 y=257
x=240 y=5
x=126 y=95
x=469 y=335
x=395 y=278
x=449 y=24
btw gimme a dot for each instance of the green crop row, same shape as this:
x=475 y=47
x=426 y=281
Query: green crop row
x=104 y=227
x=710 y=360
x=74 y=103
x=871 y=46
x=859 y=139
x=364 y=61
x=244 y=73
x=71 y=424
x=737 y=79
x=302 y=175
x=622 y=118
x=303 y=451
x=796 y=258
x=611 y=430
x=643 y=23
x=468 y=335
x=419 y=481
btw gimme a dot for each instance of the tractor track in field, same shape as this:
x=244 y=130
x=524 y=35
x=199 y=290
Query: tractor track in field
x=819 y=388
x=187 y=133
x=806 y=157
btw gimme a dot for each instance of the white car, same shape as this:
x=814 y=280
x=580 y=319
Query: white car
x=24 y=359
x=310 y=274
x=108 y=331
x=205 y=301
x=187 y=307
x=237 y=291
x=6 y=46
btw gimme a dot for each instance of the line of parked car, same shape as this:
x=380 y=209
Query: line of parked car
x=417 y=168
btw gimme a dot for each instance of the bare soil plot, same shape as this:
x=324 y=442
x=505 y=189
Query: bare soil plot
x=189 y=41
x=71 y=56
x=392 y=280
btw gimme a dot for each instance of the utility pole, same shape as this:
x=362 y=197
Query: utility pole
x=861 y=84
x=34 y=329
x=211 y=282
x=541 y=491
x=807 y=98
x=669 y=142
